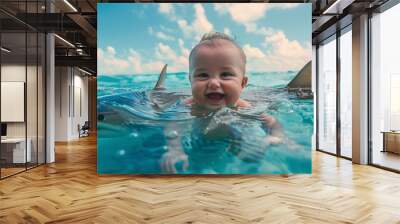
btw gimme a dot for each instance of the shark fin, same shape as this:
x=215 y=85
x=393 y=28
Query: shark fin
x=161 y=78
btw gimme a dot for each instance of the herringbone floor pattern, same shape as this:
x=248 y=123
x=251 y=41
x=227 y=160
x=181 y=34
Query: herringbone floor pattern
x=70 y=191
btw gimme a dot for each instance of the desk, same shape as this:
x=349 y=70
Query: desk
x=391 y=141
x=17 y=150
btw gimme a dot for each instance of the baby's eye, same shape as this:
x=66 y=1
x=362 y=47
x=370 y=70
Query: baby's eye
x=226 y=74
x=201 y=75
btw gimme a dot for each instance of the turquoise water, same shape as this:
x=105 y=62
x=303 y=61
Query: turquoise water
x=134 y=135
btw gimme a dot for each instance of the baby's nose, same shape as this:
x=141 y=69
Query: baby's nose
x=214 y=83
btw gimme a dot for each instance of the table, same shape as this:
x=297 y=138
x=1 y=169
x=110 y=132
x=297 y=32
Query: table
x=19 y=154
x=391 y=141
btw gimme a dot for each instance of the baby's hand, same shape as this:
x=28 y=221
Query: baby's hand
x=273 y=140
x=171 y=158
x=269 y=120
x=276 y=135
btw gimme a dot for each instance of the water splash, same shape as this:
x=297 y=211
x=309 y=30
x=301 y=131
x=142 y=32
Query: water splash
x=225 y=141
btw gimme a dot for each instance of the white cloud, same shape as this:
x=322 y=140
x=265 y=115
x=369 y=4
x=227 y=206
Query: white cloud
x=287 y=5
x=252 y=52
x=254 y=28
x=284 y=54
x=248 y=14
x=184 y=51
x=194 y=29
x=164 y=36
x=242 y=13
x=181 y=43
x=110 y=50
x=199 y=26
x=176 y=63
x=169 y=10
x=186 y=29
x=159 y=34
x=181 y=65
x=166 y=29
x=154 y=67
x=135 y=59
x=100 y=53
x=227 y=31
x=201 y=22
x=164 y=51
x=110 y=64
x=150 y=30
x=286 y=48
x=166 y=8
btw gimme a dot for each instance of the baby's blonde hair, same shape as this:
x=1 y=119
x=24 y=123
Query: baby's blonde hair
x=209 y=38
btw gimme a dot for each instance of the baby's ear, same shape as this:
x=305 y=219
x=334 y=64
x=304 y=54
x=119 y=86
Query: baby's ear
x=244 y=81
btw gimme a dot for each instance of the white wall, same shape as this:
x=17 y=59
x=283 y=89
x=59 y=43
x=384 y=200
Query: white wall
x=79 y=110
x=33 y=126
x=14 y=73
x=70 y=83
x=81 y=81
x=61 y=103
x=13 y=101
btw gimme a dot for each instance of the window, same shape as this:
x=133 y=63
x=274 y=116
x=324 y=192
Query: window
x=385 y=88
x=327 y=96
x=346 y=93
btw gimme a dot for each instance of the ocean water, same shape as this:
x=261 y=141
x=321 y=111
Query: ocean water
x=137 y=128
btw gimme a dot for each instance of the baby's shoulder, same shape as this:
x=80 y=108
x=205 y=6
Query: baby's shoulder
x=243 y=103
x=188 y=101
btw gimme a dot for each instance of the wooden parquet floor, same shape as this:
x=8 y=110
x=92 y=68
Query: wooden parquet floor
x=70 y=191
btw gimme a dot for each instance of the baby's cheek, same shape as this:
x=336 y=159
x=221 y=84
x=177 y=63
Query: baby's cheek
x=231 y=100
x=197 y=96
x=195 y=91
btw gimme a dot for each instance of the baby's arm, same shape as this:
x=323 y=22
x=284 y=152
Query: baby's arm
x=174 y=153
x=276 y=135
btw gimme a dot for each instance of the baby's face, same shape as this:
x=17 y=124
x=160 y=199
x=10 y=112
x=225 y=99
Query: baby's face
x=217 y=75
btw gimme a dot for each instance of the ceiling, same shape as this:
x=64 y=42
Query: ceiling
x=77 y=25
x=76 y=22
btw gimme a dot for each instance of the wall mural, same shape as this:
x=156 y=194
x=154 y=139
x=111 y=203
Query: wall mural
x=204 y=88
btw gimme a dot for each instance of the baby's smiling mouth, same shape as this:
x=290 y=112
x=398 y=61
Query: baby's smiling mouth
x=215 y=96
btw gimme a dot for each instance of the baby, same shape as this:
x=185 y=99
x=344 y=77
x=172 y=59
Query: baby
x=217 y=68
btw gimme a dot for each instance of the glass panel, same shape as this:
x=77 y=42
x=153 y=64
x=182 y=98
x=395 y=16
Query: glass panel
x=386 y=89
x=23 y=85
x=31 y=84
x=41 y=98
x=31 y=97
x=13 y=87
x=346 y=94
x=327 y=96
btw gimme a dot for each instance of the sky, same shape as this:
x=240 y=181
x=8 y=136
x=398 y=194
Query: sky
x=139 y=38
